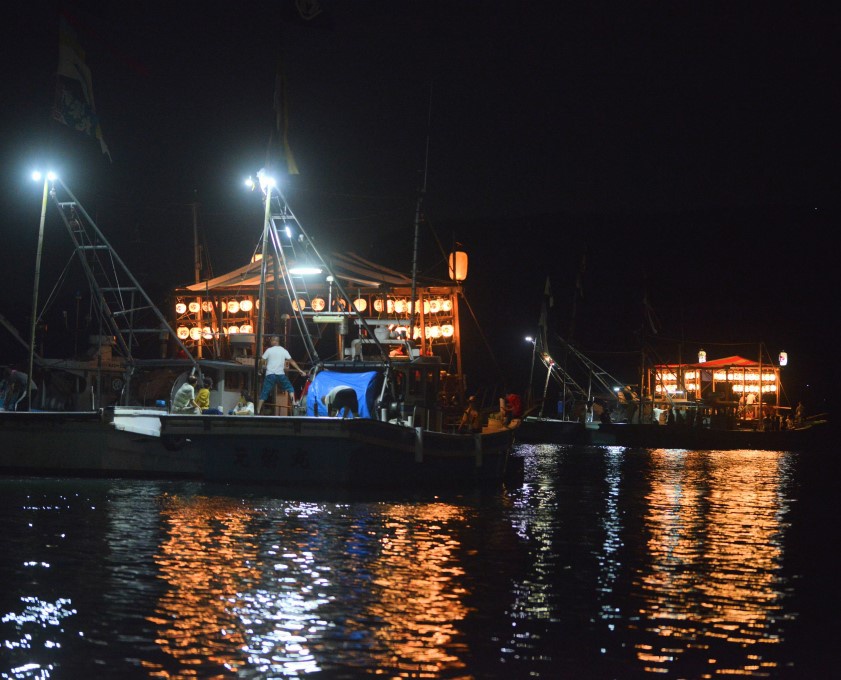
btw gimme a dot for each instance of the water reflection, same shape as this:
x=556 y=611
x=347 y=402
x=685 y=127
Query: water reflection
x=708 y=594
x=275 y=590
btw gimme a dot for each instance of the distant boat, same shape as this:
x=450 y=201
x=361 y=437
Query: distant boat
x=695 y=406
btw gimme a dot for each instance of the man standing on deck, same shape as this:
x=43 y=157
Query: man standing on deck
x=274 y=363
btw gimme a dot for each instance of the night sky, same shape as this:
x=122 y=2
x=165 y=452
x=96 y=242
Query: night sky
x=690 y=150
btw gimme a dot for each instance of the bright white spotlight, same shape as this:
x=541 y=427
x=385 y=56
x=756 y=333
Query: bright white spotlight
x=266 y=181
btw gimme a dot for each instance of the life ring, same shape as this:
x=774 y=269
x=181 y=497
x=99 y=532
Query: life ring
x=117 y=384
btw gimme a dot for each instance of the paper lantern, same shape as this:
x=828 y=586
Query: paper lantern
x=458 y=265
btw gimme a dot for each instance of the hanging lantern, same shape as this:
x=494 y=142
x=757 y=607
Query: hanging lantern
x=360 y=304
x=318 y=304
x=182 y=332
x=390 y=306
x=195 y=333
x=783 y=358
x=246 y=305
x=300 y=304
x=702 y=356
x=207 y=333
x=194 y=307
x=446 y=305
x=246 y=328
x=233 y=329
x=180 y=308
x=379 y=305
x=458 y=265
x=207 y=306
x=400 y=306
x=435 y=306
x=233 y=306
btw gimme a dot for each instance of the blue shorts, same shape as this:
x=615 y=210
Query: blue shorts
x=273 y=379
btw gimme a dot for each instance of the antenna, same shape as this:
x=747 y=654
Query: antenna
x=417 y=220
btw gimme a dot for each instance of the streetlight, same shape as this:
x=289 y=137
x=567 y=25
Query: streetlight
x=533 y=342
x=36 y=177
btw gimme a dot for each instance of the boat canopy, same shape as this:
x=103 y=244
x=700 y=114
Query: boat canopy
x=725 y=362
x=365 y=384
x=349 y=267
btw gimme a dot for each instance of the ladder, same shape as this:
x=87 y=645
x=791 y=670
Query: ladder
x=125 y=311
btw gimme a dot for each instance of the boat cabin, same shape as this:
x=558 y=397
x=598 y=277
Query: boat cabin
x=730 y=390
x=374 y=323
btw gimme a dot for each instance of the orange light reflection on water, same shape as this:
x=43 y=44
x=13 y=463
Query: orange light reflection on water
x=713 y=521
x=419 y=599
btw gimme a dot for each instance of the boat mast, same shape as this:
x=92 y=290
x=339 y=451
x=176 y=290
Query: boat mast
x=418 y=213
x=35 y=293
x=266 y=184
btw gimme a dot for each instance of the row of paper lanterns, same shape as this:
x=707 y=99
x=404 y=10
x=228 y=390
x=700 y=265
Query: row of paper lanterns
x=195 y=333
x=389 y=306
x=229 y=306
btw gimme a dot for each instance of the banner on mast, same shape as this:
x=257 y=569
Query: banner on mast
x=279 y=140
x=74 y=103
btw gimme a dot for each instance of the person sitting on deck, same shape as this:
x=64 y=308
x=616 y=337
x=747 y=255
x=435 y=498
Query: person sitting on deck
x=244 y=407
x=471 y=420
x=184 y=401
x=203 y=396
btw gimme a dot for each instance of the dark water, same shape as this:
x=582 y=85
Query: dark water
x=606 y=563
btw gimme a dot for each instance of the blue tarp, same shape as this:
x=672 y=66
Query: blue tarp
x=364 y=384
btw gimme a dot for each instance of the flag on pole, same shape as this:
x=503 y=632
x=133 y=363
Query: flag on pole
x=74 y=104
x=279 y=140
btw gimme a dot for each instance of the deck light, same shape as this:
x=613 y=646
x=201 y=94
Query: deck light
x=304 y=269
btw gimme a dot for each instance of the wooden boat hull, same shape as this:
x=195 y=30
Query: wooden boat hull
x=337 y=452
x=86 y=443
x=551 y=431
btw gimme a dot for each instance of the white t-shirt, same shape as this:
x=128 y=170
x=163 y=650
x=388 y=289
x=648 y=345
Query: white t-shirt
x=276 y=358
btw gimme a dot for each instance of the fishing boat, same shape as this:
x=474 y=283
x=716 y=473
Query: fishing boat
x=730 y=402
x=395 y=343
x=725 y=403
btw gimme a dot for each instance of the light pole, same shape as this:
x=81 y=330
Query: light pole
x=533 y=342
x=266 y=183
x=49 y=177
